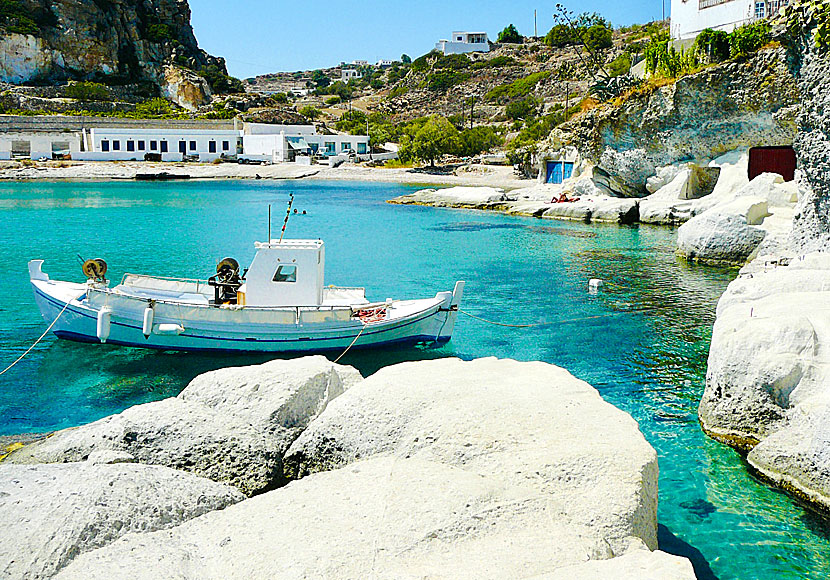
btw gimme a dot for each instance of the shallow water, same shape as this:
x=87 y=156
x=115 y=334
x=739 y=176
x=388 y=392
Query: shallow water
x=642 y=341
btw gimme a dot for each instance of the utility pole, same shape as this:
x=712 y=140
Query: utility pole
x=663 y=5
x=535 y=28
x=472 y=104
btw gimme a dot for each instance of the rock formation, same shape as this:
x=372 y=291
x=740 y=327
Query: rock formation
x=49 y=514
x=121 y=40
x=232 y=425
x=768 y=381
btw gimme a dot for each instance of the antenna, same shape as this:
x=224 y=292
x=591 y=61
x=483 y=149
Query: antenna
x=287 y=215
x=269 y=223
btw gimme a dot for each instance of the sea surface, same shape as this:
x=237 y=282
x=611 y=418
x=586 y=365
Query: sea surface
x=642 y=341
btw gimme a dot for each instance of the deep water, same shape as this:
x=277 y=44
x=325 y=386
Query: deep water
x=642 y=341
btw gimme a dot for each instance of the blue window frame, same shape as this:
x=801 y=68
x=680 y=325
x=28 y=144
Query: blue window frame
x=116 y=145
x=163 y=146
x=105 y=146
x=130 y=145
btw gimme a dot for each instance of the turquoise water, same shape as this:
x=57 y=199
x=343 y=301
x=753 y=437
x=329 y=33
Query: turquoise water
x=642 y=342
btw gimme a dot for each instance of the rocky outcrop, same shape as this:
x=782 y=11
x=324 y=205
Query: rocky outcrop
x=753 y=220
x=768 y=381
x=50 y=514
x=460 y=197
x=439 y=469
x=185 y=88
x=231 y=425
x=90 y=39
x=479 y=417
x=702 y=116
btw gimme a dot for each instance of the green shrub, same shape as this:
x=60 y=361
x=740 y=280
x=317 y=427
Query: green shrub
x=398 y=92
x=620 y=65
x=516 y=89
x=560 y=36
x=713 y=45
x=157 y=108
x=280 y=98
x=435 y=138
x=478 y=140
x=598 y=37
x=15 y=17
x=497 y=62
x=310 y=112
x=333 y=100
x=510 y=35
x=523 y=109
x=87 y=91
x=453 y=61
x=158 y=33
x=220 y=82
x=749 y=38
x=442 y=80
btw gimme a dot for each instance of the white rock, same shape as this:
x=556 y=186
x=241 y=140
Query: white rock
x=49 y=514
x=231 y=425
x=596 y=209
x=636 y=565
x=527 y=424
x=769 y=374
x=454 y=197
x=724 y=234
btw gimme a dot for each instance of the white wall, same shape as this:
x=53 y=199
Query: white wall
x=448 y=47
x=142 y=142
x=42 y=144
x=266 y=129
x=688 y=20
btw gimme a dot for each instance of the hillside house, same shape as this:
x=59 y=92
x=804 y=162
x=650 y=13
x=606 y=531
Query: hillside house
x=464 y=42
x=690 y=17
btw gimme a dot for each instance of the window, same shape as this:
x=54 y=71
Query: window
x=105 y=146
x=760 y=10
x=345 y=146
x=212 y=147
x=226 y=145
x=130 y=145
x=182 y=147
x=193 y=145
x=116 y=145
x=285 y=274
x=330 y=147
x=163 y=146
x=141 y=146
x=154 y=145
x=361 y=148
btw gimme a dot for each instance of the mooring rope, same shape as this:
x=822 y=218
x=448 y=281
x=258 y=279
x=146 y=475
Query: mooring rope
x=42 y=336
x=348 y=347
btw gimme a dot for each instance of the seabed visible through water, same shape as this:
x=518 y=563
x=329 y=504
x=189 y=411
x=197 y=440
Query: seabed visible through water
x=642 y=341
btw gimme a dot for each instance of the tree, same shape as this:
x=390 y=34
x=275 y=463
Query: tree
x=437 y=137
x=320 y=79
x=309 y=112
x=510 y=35
x=406 y=59
x=560 y=36
x=598 y=38
x=524 y=109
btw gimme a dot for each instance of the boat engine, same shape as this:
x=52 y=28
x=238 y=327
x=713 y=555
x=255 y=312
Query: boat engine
x=95 y=270
x=226 y=282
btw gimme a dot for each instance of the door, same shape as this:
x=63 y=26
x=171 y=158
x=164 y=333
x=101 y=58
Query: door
x=780 y=160
x=182 y=147
x=554 y=173
x=568 y=170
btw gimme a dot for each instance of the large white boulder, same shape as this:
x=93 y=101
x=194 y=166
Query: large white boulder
x=230 y=425
x=636 y=565
x=50 y=514
x=607 y=209
x=472 y=197
x=725 y=234
x=531 y=425
x=768 y=381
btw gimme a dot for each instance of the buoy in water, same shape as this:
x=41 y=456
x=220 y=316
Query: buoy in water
x=104 y=324
x=147 y=327
x=594 y=284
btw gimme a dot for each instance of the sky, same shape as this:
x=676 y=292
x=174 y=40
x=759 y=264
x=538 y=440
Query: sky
x=259 y=36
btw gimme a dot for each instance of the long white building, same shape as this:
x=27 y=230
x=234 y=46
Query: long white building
x=125 y=144
x=39 y=145
x=282 y=143
x=464 y=42
x=690 y=17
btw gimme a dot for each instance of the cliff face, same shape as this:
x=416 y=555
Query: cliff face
x=700 y=117
x=118 y=40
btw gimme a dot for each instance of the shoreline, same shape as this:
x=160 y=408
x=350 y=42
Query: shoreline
x=467 y=175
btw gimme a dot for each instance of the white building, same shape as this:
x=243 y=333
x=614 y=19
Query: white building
x=348 y=74
x=39 y=144
x=690 y=17
x=126 y=144
x=384 y=63
x=285 y=143
x=464 y=42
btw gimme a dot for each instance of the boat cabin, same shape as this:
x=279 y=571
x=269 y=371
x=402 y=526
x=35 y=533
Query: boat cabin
x=287 y=273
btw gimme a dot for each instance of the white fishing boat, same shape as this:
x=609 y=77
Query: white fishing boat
x=279 y=304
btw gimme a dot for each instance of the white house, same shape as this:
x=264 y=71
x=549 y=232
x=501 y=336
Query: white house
x=125 y=144
x=464 y=42
x=384 y=63
x=690 y=17
x=39 y=144
x=348 y=74
x=285 y=143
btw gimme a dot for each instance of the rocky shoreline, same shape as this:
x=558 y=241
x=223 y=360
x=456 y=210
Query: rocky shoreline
x=444 y=468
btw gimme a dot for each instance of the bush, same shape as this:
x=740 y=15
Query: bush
x=157 y=108
x=280 y=98
x=435 y=138
x=560 y=36
x=510 y=35
x=15 y=17
x=747 y=39
x=220 y=82
x=158 y=33
x=497 y=62
x=87 y=91
x=320 y=79
x=597 y=37
x=333 y=100
x=478 y=140
x=310 y=112
x=443 y=80
x=453 y=61
x=517 y=89
x=712 y=45
x=524 y=109
x=620 y=65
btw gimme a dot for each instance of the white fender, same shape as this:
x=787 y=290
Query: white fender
x=147 y=327
x=104 y=324
x=169 y=329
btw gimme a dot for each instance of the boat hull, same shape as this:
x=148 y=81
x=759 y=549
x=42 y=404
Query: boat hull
x=76 y=309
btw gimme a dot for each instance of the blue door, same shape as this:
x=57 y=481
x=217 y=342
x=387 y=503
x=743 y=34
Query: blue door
x=554 y=172
x=568 y=170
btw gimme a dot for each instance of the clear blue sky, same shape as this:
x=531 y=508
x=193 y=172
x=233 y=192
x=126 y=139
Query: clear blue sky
x=259 y=36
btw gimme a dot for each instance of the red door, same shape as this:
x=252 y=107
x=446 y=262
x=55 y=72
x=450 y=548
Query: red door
x=780 y=160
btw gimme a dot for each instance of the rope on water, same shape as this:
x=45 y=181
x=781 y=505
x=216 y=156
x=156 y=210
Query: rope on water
x=348 y=347
x=42 y=336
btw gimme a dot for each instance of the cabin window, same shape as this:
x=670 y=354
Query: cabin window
x=105 y=146
x=285 y=273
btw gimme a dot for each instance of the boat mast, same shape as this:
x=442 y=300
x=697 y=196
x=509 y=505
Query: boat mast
x=287 y=215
